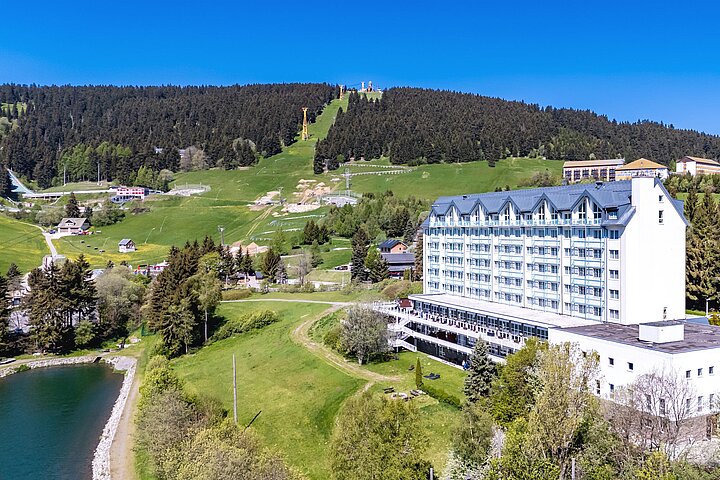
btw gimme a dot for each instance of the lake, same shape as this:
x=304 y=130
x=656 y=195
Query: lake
x=51 y=420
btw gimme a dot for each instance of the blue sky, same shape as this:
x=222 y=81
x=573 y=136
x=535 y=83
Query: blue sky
x=629 y=60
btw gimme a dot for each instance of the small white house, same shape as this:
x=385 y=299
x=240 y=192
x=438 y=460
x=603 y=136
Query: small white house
x=126 y=245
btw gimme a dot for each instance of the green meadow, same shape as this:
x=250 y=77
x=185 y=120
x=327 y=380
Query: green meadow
x=299 y=392
x=22 y=244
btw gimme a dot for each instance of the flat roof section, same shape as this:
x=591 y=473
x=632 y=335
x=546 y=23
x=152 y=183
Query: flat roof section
x=697 y=337
x=593 y=163
x=510 y=312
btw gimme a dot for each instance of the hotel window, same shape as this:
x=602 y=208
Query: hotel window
x=687 y=373
x=631 y=367
x=582 y=211
x=614 y=254
x=661 y=198
x=614 y=294
x=611 y=361
x=699 y=372
x=612 y=388
x=660 y=216
x=614 y=234
x=662 y=406
x=614 y=314
x=700 y=404
x=711 y=370
x=596 y=212
x=612 y=214
x=597 y=387
x=614 y=274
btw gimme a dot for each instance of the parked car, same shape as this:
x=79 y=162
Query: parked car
x=52 y=231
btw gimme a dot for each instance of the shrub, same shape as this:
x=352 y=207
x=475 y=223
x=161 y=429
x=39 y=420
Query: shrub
x=441 y=395
x=401 y=289
x=244 y=324
x=332 y=338
x=240 y=294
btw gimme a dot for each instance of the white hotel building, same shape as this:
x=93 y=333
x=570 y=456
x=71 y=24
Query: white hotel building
x=584 y=263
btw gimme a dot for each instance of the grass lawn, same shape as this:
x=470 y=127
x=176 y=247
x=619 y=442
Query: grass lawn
x=20 y=243
x=432 y=181
x=299 y=394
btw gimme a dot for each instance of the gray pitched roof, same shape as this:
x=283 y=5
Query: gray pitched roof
x=398 y=258
x=124 y=241
x=390 y=243
x=607 y=195
x=72 y=222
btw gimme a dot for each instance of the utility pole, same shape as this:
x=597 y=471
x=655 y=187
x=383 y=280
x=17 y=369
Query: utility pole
x=347 y=180
x=98 y=173
x=305 y=135
x=64 y=175
x=234 y=392
x=221 y=229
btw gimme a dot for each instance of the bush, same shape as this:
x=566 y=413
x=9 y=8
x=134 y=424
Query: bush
x=401 y=289
x=441 y=395
x=254 y=321
x=240 y=294
x=332 y=339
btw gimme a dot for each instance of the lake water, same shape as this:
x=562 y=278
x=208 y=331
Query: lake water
x=51 y=420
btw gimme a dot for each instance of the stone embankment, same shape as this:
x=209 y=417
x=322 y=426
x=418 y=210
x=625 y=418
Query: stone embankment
x=48 y=362
x=101 y=459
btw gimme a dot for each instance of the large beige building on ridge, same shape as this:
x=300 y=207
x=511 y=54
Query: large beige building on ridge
x=575 y=171
x=641 y=168
x=697 y=166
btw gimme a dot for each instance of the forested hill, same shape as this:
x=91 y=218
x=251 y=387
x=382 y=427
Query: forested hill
x=412 y=125
x=124 y=128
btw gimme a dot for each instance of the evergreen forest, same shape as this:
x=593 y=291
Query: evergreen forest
x=415 y=126
x=56 y=131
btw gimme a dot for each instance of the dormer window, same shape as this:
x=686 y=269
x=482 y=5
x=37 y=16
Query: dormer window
x=597 y=213
x=612 y=214
x=506 y=214
x=541 y=213
x=582 y=211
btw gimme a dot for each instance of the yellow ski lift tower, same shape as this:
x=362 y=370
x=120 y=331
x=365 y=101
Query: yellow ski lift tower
x=305 y=135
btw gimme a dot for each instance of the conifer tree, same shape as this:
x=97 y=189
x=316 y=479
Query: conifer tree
x=418 y=273
x=271 y=262
x=72 y=210
x=418 y=373
x=359 y=246
x=480 y=373
x=376 y=266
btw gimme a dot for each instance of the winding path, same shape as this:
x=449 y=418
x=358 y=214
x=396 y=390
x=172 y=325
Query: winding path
x=300 y=335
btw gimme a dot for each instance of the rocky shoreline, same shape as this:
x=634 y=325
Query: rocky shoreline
x=101 y=458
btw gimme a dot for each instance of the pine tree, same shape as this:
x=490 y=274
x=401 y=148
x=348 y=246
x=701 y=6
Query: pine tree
x=271 y=262
x=376 y=266
x=418 y=373
x=72 y=210
x=418 y=273
x=480 y=373
x=359 y=246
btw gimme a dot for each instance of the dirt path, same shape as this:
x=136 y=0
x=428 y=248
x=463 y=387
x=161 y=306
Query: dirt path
x=300 y=335
x=122 y=465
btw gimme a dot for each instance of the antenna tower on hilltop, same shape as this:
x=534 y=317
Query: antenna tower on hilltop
x=305 y=135
x=342 y=90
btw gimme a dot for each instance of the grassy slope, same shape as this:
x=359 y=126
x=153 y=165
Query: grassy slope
x=432 y=181
x=20 y=243
x=298 y=393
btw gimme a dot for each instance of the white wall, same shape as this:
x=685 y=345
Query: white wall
x=652 y=257
x=646 y=361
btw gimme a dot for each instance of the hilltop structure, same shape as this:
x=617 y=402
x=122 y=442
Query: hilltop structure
x=575 y=171
x=641 y=168
x=697 y=166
